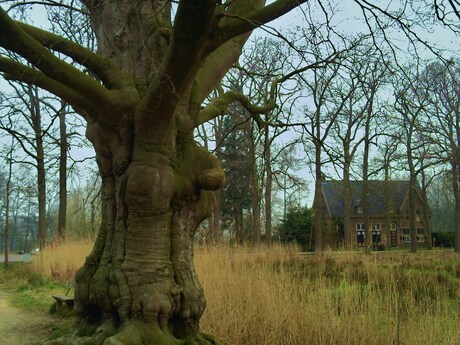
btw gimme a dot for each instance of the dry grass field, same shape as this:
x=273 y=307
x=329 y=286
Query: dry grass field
x=272 y=296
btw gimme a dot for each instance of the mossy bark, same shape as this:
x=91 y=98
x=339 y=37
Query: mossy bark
x=139 y=286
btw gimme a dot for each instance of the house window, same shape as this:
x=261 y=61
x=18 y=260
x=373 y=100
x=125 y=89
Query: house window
x=420 y=235
x=417 y=215
x=393 y=226
x=407 y=215
x=406 y=235
x=376 y=232
x=360 y=233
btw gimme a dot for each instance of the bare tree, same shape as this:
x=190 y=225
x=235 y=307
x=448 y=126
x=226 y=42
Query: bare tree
x=24 y=120
x=442 y=129
x=412 y=102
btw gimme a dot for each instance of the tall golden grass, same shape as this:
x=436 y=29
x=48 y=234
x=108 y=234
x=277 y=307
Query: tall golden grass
x=278 y=296
x=60 y=262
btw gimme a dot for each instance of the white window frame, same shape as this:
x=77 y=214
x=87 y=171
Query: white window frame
x=376 y=227
x=406 y=235
x=420 y=235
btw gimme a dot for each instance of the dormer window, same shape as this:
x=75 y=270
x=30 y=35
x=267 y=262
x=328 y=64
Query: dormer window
x=358 y=206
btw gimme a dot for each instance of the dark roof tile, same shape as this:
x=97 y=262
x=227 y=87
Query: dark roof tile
x=333 y=192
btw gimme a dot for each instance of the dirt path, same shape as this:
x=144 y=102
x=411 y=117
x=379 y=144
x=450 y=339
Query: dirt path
x=21 y=327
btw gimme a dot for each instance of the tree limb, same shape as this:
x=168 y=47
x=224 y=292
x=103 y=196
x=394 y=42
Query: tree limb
x=16 y=71
x=13 y=38
x=102 y=67
x=182 y=60
x=240 y=25
x=219 y=106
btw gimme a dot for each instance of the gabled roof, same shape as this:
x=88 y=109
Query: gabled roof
x=333 y=194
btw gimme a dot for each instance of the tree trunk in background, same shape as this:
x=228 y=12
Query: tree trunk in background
x=388 y=204
x=347 y=202
x=456 y=188
x=41 y=172
x=365 y=196
x=7 y=202
x=14 y=235
x=238 y=223
x=319 y=202
x=255 y=191
x=216 y=235
x=268 y=187
x=367 y=225
x=412 y=187
x=62 y=214
x=426 y=212
x=457 y=222
x=412 y=214
x=456 y=179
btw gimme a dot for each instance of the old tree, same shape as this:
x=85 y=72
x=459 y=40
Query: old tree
x=141 y=95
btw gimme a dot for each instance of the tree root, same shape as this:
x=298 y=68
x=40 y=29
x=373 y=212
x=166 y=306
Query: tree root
x=132 y=333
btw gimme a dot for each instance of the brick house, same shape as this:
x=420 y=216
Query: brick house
x=398 y=212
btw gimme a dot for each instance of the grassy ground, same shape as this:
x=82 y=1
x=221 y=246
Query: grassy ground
x=25 y=304
x=277 y=296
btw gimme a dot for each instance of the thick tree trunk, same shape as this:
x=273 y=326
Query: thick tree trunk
x=139 y=284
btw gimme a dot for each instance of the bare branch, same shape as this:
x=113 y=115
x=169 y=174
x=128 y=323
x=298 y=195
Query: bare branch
x=240 y=25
